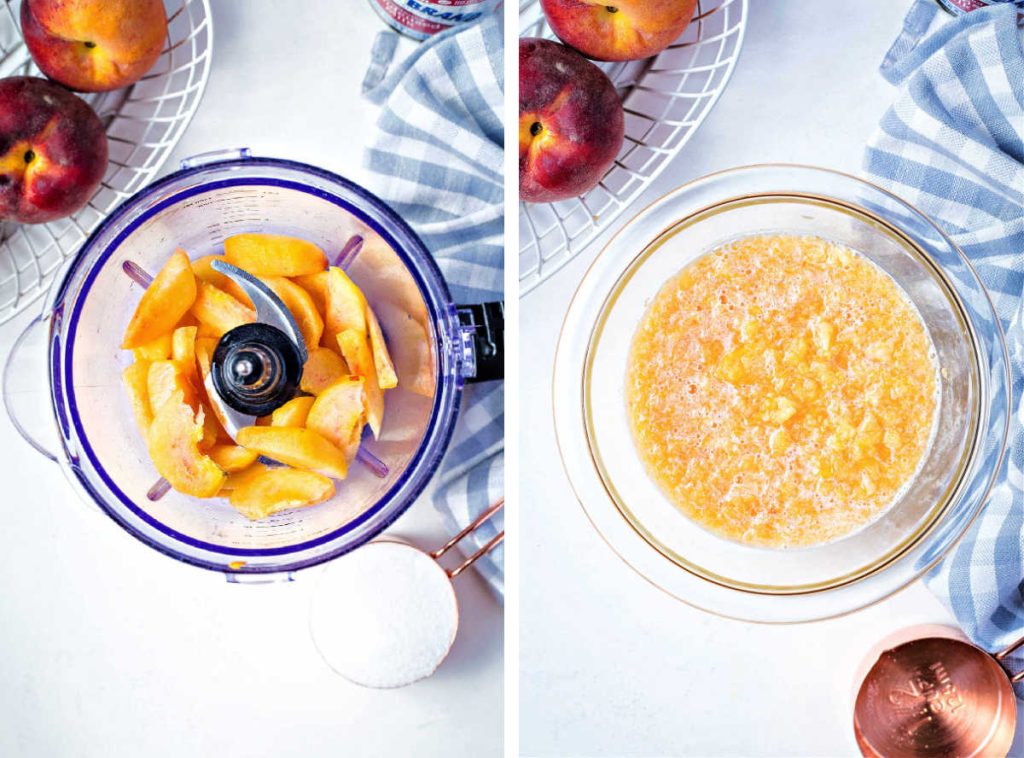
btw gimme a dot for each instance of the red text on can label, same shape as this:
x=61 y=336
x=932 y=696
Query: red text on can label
x=422 y=18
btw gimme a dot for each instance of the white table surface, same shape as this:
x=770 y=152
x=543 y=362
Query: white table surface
x=108 y=648
x=610 y=665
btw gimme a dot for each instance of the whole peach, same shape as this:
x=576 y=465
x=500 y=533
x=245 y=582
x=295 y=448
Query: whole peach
x=619 y=30
x=94 y=45
x=571 y=123
x=53 y=151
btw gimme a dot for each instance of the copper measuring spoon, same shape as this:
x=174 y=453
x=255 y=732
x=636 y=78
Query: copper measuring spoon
x=937 y=696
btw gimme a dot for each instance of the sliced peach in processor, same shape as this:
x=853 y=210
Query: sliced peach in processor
x=279 y=489
x=356 y=349
x=165 y=301
x=238 y=478
x=386 y=376
x=202 y=267
x=173 y=442
x=213 y=430
x=316 y=287
x=232 y=458
x=165 y=380
x=346 y=306
x=136 y=383
x=414 y=362
x=274 y=255
x=323 y=368
x=302 y=308
x=219 y=311
x=339 y=414
x=155 y=350
x=183 y=350
x=204 y=354
x=302 y=448
x=208 y=332
x=204 y=271
x=292 y=413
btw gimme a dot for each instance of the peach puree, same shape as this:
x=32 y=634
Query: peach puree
x=781 y=390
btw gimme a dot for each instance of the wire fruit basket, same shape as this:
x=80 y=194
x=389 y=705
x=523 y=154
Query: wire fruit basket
x=666 y=98
x=144 y=123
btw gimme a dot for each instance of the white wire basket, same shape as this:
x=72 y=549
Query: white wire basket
x=144 y=122
x=666 y=98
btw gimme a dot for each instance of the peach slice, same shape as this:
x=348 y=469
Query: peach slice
x=414 y=362
x=158 y=349
x=356 y=349
x=204 y=354
x=208 y=332
x=232 y=458
x=279 y=489
x=164 y=302
x=293 y=413
x=346 y=306
x=323 y=368
x=219 y=311
x=173 y=442
x=202 y=267
x=238 y=478
x=213 y=430
x=204 y=271
x=316 y=287
x=386 y=376
x=339 y=414
x=274 y=255
x=302 y=308
x=165 y=380
x=136 y=383
x=183 y=350
x=302 y=448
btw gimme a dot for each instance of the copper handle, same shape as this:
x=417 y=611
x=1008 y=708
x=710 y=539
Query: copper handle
x=1005 y=653
x=470 y=528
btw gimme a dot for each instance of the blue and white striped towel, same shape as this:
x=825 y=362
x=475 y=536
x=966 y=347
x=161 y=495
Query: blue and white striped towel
x=953 y=145
x=437 y=158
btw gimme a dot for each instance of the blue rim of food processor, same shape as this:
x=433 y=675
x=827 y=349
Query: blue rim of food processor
x=410 y=249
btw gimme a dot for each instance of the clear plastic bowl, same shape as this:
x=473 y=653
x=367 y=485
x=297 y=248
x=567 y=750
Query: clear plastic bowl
x=196 y=208
x=725 y=576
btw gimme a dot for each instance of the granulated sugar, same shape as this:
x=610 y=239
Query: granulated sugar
x=384 y=615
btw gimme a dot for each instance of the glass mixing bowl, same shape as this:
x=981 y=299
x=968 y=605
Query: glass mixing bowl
x=211 y=198
x=756 y=583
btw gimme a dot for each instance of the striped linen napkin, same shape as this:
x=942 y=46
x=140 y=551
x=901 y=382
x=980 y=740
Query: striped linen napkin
x=953 y=145
x=436 y=157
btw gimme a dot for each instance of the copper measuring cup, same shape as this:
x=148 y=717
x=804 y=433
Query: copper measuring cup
x=363 y=646
x=937 y=696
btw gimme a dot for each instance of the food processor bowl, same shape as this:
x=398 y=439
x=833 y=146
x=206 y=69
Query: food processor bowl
x=729 y=577
x=434 y=345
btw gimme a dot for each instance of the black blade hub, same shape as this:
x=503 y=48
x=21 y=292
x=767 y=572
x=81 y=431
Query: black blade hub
x=256 y=369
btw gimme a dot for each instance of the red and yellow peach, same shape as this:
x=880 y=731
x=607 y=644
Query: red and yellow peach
x=53 y=151
x=571 y=122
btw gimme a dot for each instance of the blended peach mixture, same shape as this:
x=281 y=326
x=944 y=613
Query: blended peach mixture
x=782 y=390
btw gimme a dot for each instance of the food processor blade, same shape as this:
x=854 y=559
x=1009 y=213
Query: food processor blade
x=236 y=401
x=269 y=308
